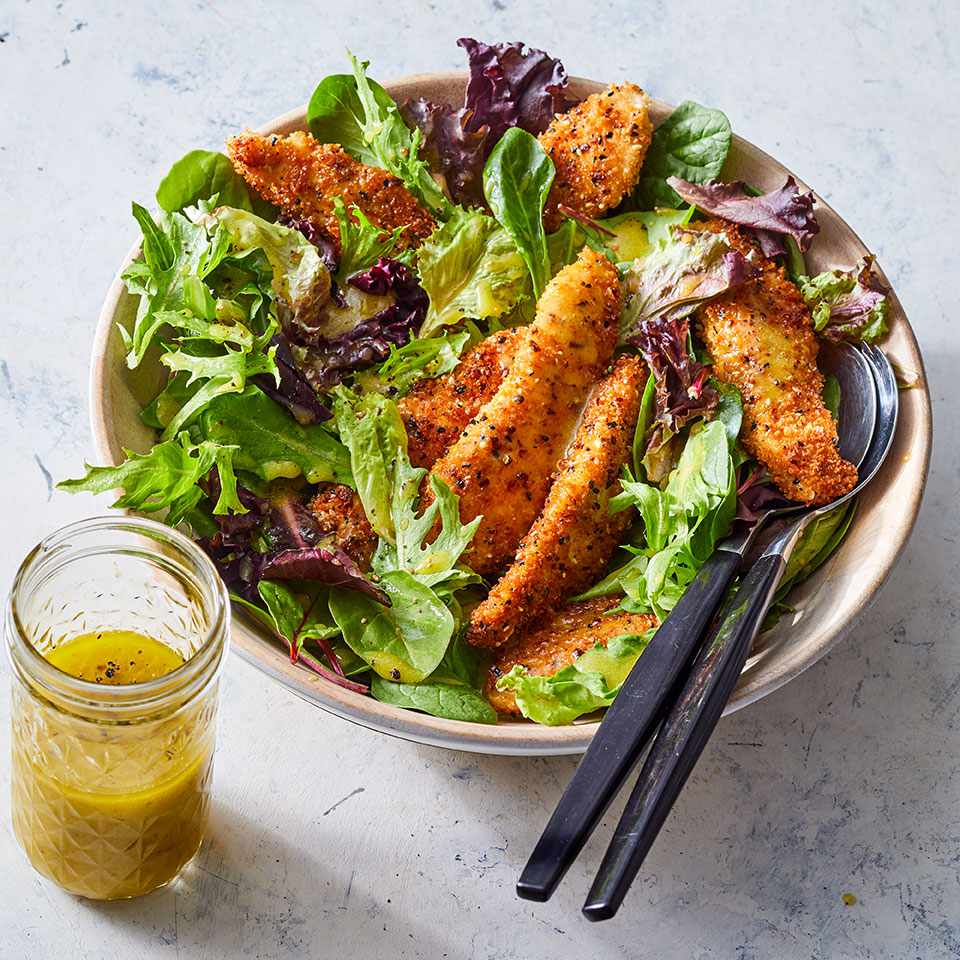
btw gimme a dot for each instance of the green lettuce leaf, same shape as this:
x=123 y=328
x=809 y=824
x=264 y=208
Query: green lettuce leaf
x=177 y=255
x=424 y=358
x=269 y=442
x=361 y=243
x=374 y=434
x=677 y=277
x=433 y=563
x=681 y=524
x=470 y=267
x=166 y=478
x=300 y=279
x=517 y=178
x=692 y=143
x=590 y=683
x=848 y=304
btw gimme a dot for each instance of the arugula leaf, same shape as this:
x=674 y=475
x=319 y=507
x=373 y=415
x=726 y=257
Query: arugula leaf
x=424 y=358
x=270 y=442
x=374 y=434
x=469 y=267
x=452 y=701
x=517 y=178
x=361 y=243
x=403 y=642
x=166 y=478
x=202 y=175
x=590 y=683
x=361 y=116
x=692 y=143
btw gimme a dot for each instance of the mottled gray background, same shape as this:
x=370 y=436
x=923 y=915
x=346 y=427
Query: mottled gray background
x=331 y=841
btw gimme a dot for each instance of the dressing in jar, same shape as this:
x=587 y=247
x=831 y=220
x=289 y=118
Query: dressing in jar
x=117 y=629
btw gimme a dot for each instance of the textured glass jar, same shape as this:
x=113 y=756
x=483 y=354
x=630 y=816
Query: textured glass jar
x=111 y=784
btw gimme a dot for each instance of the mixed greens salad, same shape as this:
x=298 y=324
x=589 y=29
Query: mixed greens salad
x=269 y=395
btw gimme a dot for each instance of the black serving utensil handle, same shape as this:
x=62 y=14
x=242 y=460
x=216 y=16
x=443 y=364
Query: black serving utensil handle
x=683 y=735
x=626 y=728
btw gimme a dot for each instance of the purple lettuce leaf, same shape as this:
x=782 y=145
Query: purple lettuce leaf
x=682 y=388
x=325 y=244
x=848 y=304
x=294 y=391
x=783 y=212
x=323 y=565
x=510 y=85
x=278 y=539
x=325 y=361
x=756 y=494
x=458 y=152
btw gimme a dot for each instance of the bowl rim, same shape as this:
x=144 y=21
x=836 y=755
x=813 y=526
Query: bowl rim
x=521 y=738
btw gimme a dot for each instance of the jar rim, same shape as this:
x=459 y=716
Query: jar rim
x=181 y=683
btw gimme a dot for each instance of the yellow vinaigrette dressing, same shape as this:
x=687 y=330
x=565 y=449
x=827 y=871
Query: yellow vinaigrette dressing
x=111 y=810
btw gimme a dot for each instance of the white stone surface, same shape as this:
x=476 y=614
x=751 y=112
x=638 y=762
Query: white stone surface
x=331 y=841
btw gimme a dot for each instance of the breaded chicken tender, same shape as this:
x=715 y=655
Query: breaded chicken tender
x=302 y=177
x=597 y=148
x=571 y=541
x=502 y=464
x=760 y=338
x=559 y=640
x=343 y=523
x=435 y=412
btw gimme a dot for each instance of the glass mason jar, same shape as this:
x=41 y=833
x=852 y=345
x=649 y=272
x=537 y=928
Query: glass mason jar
x=111 y=783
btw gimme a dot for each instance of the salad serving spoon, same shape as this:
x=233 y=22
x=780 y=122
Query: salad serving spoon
x=657 y=678
x=694 y=715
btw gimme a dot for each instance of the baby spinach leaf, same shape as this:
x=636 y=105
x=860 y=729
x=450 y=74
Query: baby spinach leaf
x=201 y=175
x=452 y=701
x=271 y=443
x=692 y=143
x=405 y=641
x=517 y=178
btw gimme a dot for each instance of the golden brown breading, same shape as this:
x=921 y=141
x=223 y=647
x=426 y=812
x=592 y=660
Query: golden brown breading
x=343 y=523
x=598 y=149
x=761 y=340
x=575 y=535
x=302 y=177
x=435 y=412
x=559 y=640
x=502 y=463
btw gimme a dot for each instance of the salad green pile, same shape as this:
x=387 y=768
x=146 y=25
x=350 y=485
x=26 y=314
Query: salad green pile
x=250 y=424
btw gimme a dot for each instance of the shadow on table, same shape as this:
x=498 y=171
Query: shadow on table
x=251 y=892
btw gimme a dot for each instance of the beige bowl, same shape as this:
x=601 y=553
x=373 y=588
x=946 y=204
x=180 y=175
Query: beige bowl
x=828 y=605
